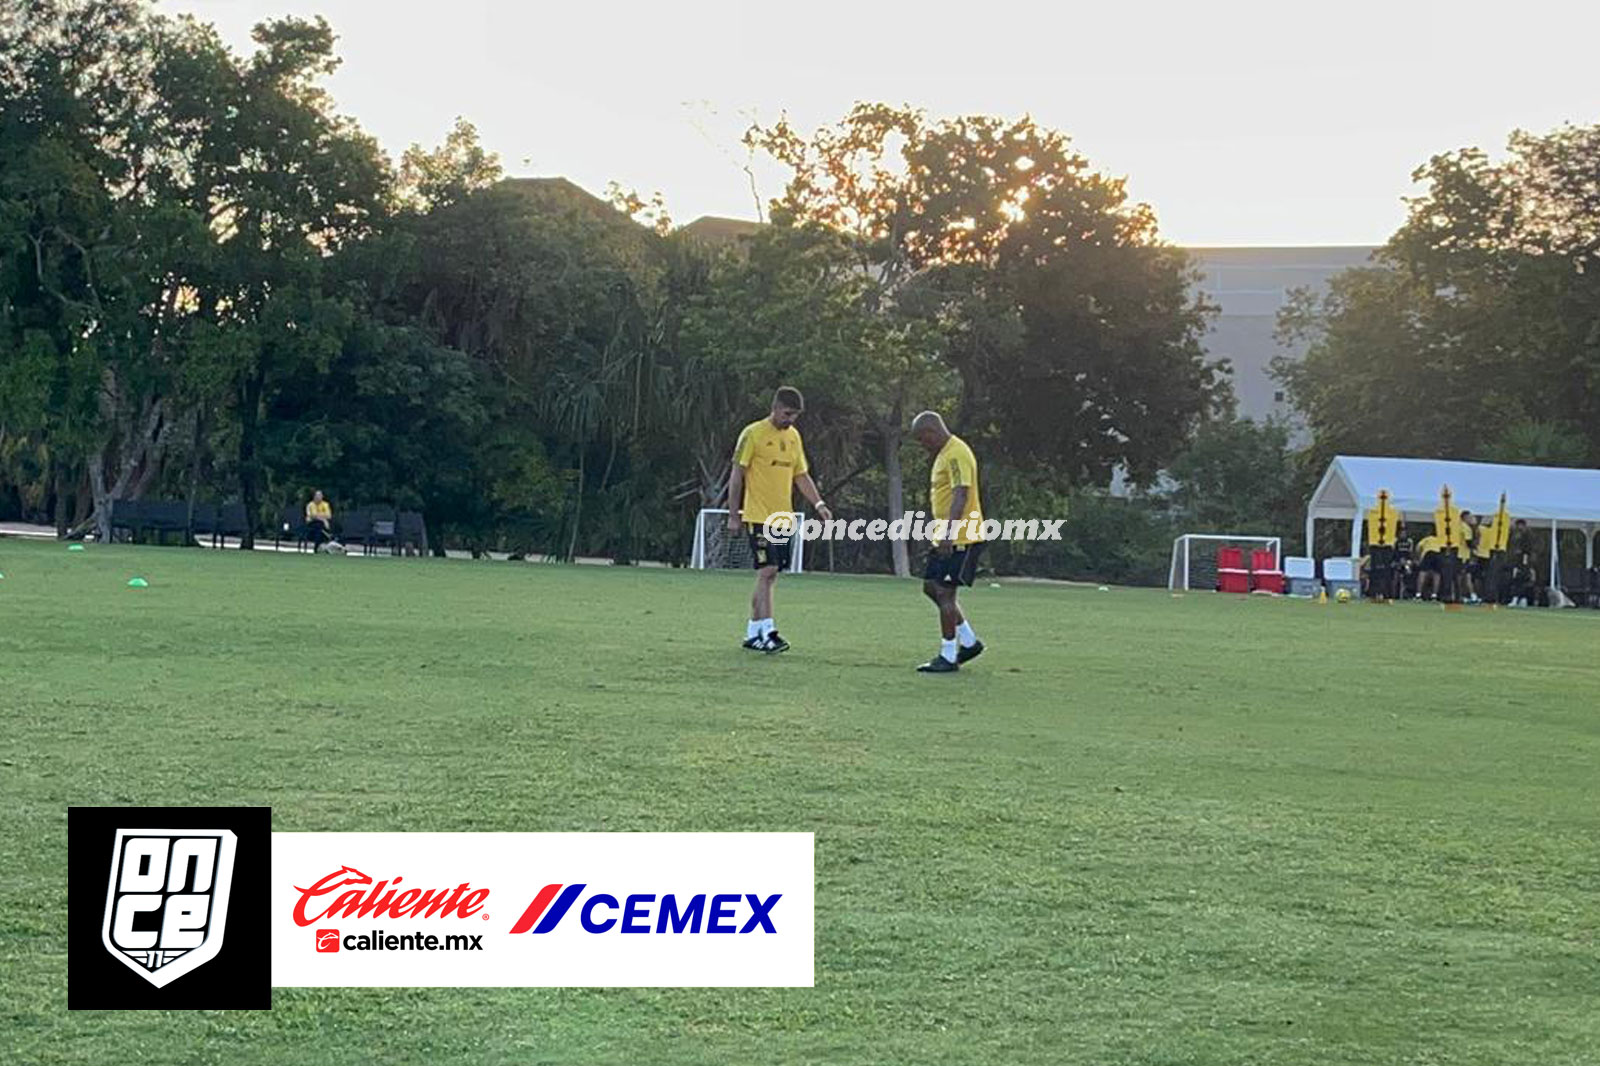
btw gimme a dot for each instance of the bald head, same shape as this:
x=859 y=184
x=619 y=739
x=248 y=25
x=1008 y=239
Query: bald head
x=930 y=431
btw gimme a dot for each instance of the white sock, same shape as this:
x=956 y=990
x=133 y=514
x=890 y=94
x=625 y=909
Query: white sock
x=947 y=648
x=767 y=626
x=752 y=629
x=965 y=634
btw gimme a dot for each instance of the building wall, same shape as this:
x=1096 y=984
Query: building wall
x=1250 y=286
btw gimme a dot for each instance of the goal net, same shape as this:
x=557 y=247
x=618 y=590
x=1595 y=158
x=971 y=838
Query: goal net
x=1194 y=558
x=716 y=548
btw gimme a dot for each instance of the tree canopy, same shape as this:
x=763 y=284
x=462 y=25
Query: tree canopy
x=215 y=285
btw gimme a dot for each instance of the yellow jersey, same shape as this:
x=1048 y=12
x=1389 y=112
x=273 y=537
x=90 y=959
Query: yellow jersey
x=1482 y=540
x=956 y=465
x=772 y=458
x=323 y=510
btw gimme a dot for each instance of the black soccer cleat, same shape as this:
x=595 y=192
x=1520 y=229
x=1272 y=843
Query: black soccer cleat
x=938 y=665
x=755 y=643
x=775 y=644
x=966 y=655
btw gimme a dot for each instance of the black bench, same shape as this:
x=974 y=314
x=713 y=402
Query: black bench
x=411 y=532
x=153 y=517
x=291 y=527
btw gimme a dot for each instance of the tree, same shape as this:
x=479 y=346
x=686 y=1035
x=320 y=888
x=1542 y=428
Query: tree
x=92 y=325
x=1237 y=476
x=449 y=173
x=282 y=183
x=794 y=309
x=1483 y=315
x=1070 y=324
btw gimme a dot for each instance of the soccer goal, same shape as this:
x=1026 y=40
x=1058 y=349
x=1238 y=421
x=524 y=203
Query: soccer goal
x=715 y=548
x=1194 y=558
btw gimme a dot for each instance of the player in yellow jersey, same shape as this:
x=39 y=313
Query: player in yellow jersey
x=768 y=459
x=953 y=560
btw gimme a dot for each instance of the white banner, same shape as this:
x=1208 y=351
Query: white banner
x=542 y=909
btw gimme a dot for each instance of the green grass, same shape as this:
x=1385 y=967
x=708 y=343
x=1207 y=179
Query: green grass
x=1139 y=830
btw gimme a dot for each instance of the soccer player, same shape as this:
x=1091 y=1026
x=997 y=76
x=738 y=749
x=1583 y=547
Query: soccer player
x=768 y=459
x=1477 y=546
x=953 y=560
x=1430 y=549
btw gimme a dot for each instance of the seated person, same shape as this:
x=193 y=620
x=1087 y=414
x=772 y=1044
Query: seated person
x=1590 y=596
x=1405 y=563
x=319 y=520
x=1523 y=584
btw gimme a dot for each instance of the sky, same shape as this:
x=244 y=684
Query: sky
x=1241 y=122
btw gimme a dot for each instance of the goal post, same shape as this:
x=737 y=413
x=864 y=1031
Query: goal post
x=717 y=549
x=1194 y=557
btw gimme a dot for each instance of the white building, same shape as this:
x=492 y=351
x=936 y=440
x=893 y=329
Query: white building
x=1250 y=286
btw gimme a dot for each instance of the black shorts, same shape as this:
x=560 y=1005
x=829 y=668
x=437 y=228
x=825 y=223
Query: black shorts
x=1430 y=563
x=960 y=567
x=765 y=551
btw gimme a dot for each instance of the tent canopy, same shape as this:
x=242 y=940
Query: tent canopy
x=1541 y=494
x=1544 y=495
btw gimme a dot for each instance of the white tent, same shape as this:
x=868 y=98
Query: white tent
x=1544 y=495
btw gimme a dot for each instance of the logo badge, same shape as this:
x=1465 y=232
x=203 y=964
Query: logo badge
x=327 y=940
x=167 y=908
x=167 y=903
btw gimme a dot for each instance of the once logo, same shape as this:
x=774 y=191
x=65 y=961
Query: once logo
x=360 y=902
x=167 y=903
x=645 y=912
x=327 y=940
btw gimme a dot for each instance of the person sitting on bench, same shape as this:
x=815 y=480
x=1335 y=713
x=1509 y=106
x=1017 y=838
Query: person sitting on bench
x=319 y=520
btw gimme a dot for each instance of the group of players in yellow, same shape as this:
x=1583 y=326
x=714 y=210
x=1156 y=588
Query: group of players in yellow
x=1463 y=559
x=769 y=462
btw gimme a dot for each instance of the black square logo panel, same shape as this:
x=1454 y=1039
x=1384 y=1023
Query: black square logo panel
x=167 y=908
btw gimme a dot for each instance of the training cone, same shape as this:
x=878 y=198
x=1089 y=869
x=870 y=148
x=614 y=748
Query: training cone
x=74 y=547
x=1322 y=597
x=138 y=583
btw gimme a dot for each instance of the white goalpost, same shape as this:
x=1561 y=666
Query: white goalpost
x=1194 y=558
x=715 y=548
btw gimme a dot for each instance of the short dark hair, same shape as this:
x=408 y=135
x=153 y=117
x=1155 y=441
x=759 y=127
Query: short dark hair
x=789 y=396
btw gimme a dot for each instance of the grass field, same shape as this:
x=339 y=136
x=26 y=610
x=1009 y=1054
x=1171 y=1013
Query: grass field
x=1140 y=830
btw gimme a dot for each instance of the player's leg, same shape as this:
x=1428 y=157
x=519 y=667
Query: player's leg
x=760 y=596
x=940 y=580
x=934 y=588
x=766 y=584
x=970 y=647
x=778 y=560
x=760 y=623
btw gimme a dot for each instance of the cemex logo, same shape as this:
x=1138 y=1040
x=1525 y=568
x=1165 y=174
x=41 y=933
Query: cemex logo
x=645 y=912
x=363 y=899
x=164 y=892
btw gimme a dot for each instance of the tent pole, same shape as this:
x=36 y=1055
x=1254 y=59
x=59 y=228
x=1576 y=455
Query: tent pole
x=1588 y=547
x=1554 y=567
x=1355 y=536
x=1311 y=530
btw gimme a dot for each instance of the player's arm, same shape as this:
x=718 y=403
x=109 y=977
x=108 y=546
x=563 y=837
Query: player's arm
x=735 y=496
x=743 y=452
x=963 y=476
x=808 y=489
